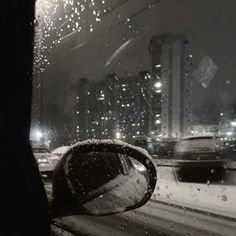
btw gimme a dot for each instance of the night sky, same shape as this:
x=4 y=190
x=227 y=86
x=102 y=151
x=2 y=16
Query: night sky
x=119 y=44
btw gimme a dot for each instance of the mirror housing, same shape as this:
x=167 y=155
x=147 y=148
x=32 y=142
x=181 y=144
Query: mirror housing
x=102 y=177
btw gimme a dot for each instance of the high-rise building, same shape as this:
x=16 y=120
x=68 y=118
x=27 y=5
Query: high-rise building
x=116 y=107
x=171 y=65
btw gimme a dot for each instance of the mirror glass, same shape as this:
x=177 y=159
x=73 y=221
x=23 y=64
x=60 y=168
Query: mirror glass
x=105 y=182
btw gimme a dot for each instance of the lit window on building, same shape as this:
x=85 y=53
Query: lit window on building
x=158 y=65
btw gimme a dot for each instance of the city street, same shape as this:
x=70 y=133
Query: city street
x=176 y=208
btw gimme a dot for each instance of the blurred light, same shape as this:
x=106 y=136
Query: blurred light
x=157 y=85
x=147 y=76
x=139 y=167
x=42 y=160
x=229 y=133
x=118 y=135
x=36 y=134
x=158 y=66
x=157 y=122
x=233 y=123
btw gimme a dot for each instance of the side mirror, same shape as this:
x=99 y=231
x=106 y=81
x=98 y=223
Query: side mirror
x=99 y=177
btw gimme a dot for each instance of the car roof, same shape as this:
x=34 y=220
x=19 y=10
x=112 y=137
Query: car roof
x=61 y=149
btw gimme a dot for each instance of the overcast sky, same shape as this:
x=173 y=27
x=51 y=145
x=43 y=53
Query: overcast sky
x=119 y=44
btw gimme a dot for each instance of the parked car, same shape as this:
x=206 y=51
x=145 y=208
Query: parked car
x=46 y=160
x=164 y=150
x=202 y=150
x=59 y=151
x=202 y=157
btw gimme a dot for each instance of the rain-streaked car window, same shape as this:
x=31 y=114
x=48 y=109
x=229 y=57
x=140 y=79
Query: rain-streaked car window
x=158 y=74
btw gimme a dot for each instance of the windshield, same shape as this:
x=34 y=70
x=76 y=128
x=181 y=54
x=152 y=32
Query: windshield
x=158 y=74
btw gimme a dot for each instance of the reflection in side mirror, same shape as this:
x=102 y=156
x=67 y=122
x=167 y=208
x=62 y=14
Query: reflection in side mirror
x=102 y=177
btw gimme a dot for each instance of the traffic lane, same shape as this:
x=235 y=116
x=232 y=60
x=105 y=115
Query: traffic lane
x=152 y=219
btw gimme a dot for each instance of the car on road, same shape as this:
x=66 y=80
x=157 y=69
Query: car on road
x=201 y=156
x=46 y=160
x=202 y=150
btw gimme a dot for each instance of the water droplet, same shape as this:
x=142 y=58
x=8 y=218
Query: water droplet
x=223 y=198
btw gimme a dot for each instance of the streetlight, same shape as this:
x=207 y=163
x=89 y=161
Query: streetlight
x=118 y=135
x=157 y=85
x=233 y=123
x=36 y=134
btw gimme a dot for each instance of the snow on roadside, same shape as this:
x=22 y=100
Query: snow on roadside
x=209 y=197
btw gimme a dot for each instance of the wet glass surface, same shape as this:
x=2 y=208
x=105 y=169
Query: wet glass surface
x=159 y=74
